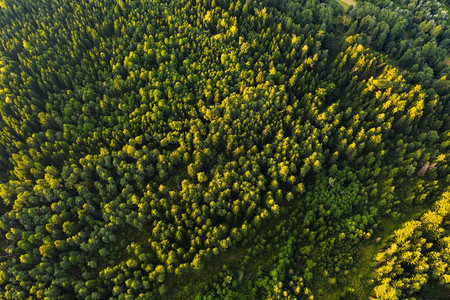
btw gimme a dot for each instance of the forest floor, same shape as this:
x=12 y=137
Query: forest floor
x=347 y=3
x=447 y=60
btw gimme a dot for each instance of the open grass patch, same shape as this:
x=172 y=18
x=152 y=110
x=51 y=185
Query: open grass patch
x=346 y=3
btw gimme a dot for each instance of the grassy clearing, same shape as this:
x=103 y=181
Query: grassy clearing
x=447 y=60
x=346 y=3
x=359 y=277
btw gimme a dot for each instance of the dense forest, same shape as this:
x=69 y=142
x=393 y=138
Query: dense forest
x=222 y=149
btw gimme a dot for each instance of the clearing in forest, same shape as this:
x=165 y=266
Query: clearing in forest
x=347 y=3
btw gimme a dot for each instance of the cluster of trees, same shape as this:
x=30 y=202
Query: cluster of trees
x=413 y=33
x=142 y=140
x=418 y=259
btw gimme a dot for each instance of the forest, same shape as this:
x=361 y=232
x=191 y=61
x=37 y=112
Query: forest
x=224 y=149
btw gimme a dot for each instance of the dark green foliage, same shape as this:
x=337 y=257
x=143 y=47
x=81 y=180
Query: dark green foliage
x=415 y=33
x=144 y=144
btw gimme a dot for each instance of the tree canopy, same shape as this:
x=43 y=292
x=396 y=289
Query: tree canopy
x=223 y=149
